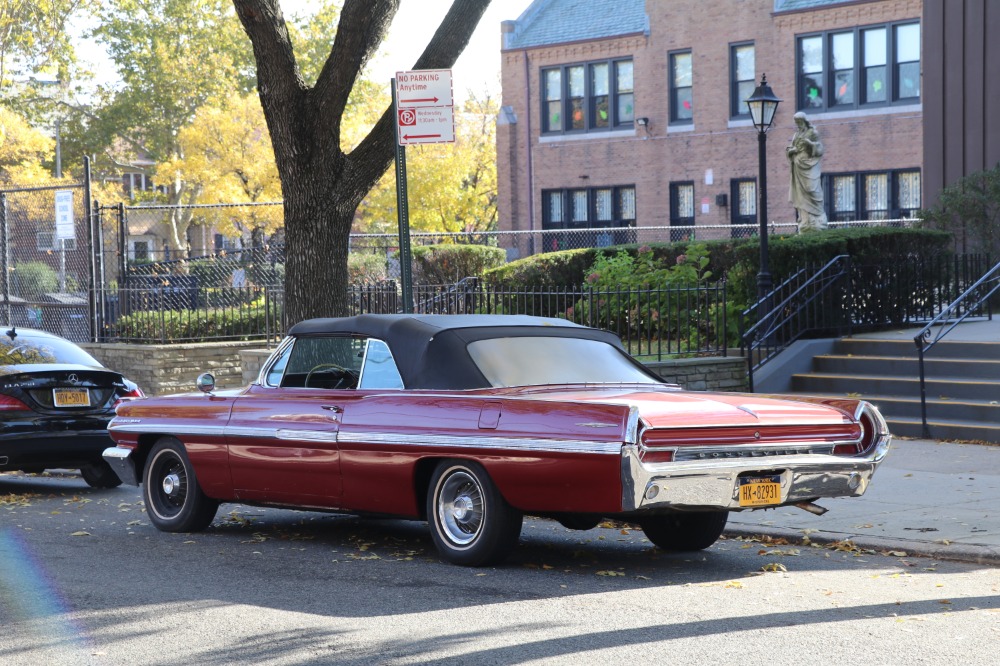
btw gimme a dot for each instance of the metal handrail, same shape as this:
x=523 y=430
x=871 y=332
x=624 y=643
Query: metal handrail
x=762 y=333
x=924 y=342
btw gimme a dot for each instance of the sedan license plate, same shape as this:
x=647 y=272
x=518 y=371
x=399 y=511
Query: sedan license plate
x=71 y=397
x=760 y=491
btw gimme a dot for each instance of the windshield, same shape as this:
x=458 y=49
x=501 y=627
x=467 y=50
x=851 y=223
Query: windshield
x=26 y=349
x=529 y=361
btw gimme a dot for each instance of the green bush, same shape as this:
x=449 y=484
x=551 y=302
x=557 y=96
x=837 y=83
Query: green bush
x=367 y=268
x=194 y=325
x=738 y=259
x=35 y=278
x=875 y=246
x=662 y=301
x=970 y=206
x=447 y=264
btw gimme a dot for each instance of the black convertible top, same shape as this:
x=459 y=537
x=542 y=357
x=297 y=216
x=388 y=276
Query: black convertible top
x=430 y=350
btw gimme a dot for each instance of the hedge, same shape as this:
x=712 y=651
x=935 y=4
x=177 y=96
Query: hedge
x=193 y=325
x=447 y=264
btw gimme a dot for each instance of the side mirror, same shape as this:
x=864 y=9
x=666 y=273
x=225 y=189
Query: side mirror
x=205 y=382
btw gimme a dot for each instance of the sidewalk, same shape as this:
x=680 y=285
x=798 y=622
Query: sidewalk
x=927 y=498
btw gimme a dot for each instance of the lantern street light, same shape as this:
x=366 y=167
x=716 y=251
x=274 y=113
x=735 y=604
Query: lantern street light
x=762 y=104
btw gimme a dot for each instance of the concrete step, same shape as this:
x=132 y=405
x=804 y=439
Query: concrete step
x=951 y=430
x=894 y=366
x=899 y=385
x=907 y=349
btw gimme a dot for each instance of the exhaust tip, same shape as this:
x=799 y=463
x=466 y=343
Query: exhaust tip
x=814 y=509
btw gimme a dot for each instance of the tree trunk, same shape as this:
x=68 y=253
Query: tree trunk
x=321 y=185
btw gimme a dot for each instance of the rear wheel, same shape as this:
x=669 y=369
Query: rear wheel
x=685 y=531
x=100 y=475
x=471 y=523
x=174 y=500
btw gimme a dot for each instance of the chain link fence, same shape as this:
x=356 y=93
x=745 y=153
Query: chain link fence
x=180 y=273
x=45 y=256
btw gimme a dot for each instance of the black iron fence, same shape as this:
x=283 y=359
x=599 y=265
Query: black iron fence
x=842 y=297
x=652 y=322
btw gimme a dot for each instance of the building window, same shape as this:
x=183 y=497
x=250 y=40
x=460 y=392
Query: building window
x=553 y=100
x=140 y=251
x=742 y=69
x=850 y=69
x=843 y=199
x=46 y=241
x=907 y=61
x=874 y=76
x=136 y=182
x=596 y=96
x=882 y=195
x=625 y=107
x=744 y=209
x=577 y=212
x=681 y=102
x=681 y=210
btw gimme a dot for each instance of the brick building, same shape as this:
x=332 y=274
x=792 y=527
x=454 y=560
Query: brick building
x=630 y=113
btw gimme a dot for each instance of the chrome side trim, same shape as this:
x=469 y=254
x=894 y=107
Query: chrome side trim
x=306 y=435
x=140 y=428
x=285 y=434
x=449 y=441
x=515 y=443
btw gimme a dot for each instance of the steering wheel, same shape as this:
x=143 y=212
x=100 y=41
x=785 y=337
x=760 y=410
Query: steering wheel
x=325 y=367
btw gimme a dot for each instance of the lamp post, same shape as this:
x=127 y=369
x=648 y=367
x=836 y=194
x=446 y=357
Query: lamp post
x=762 y=104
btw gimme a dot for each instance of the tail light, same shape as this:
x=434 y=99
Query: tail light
x=133 y=393
x=11 y=404
x=870 y=432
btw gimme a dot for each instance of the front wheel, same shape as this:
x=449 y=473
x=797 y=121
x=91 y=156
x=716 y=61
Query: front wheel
x=471 y=523
x=100 y=475
x=174 y=500
x=685 y=531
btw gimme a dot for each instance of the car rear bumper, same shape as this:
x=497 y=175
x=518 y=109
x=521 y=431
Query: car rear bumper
x=714 y=485
x=120 y=460
x=48 y=450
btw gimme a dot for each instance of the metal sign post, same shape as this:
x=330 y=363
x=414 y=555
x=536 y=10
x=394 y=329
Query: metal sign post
x=422 y=102
x=403 y=215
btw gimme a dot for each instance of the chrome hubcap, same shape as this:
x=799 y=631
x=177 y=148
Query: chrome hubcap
x=171 y=484
x=460 y=508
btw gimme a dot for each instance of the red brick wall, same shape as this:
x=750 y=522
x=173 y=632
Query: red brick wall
x=854 y=141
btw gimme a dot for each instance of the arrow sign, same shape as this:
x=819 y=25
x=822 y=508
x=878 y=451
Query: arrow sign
x=432 y=124
x=424 y=112
x=424 y=87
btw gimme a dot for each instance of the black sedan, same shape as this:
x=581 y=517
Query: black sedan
x=55 y=404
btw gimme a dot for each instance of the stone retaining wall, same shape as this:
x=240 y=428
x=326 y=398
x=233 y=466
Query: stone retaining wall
x=165 y=369
x=724 y=373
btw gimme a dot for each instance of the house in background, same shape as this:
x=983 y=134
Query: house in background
x=626 y=114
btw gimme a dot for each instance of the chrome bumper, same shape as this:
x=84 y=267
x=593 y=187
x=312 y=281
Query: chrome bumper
x=121 y=462
x=700 y=485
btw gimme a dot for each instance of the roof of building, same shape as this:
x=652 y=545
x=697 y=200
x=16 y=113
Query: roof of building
x=547 y=22
x=796 y=5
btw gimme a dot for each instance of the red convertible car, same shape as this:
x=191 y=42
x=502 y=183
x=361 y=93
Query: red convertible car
x=471 y=421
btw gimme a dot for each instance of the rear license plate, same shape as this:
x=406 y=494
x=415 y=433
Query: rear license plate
x=760 y=491
x=71 y=397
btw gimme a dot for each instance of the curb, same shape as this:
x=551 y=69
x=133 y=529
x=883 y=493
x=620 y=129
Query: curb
x=955 y=552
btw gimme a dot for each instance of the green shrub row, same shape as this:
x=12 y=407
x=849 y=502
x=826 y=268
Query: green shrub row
x=194 y=325
x=737 y=260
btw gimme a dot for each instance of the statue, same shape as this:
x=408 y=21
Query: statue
x=806 y=190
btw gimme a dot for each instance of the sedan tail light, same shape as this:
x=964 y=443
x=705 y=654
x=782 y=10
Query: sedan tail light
x=10 y=404
x=133 y=394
